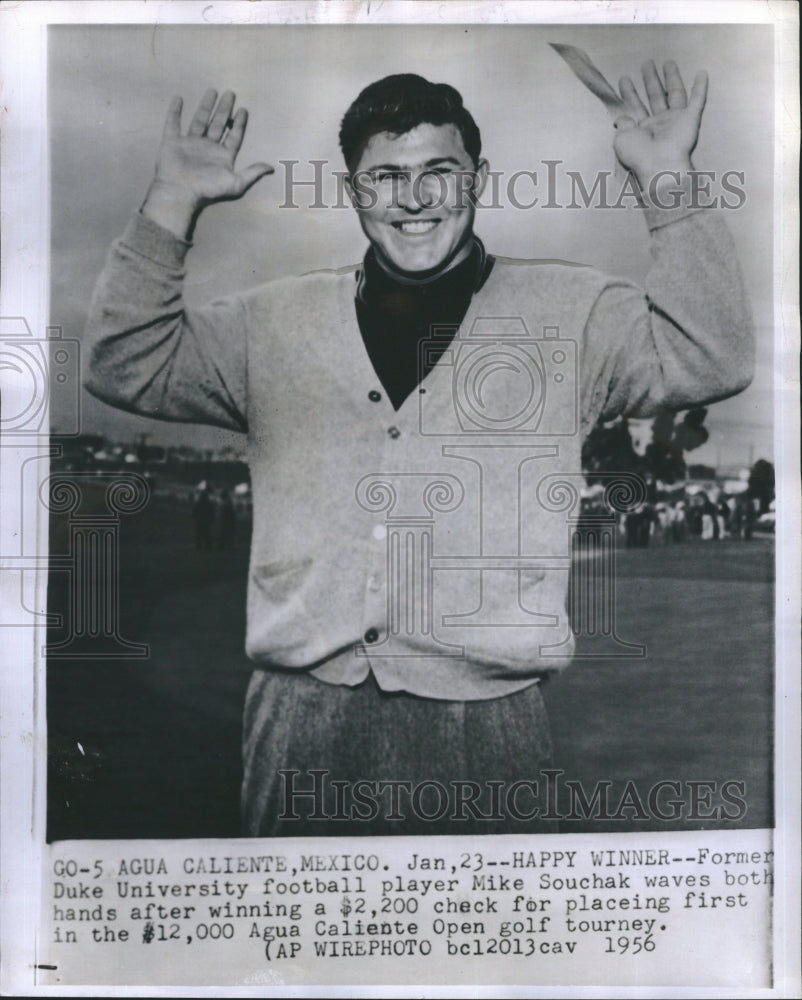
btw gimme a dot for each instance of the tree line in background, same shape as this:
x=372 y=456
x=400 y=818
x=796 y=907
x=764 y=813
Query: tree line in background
x=609 y=448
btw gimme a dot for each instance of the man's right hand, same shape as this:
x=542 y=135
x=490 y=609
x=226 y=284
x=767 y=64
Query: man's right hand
x=197 y=169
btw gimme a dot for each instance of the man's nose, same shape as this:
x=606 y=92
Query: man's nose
x=418 y=191
x=431 y=190
x=405 y=192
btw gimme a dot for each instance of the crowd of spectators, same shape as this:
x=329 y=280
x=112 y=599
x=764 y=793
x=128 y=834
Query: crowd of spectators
x=699 y=515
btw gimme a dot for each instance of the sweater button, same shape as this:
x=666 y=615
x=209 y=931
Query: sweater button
x=374 y=396
x=371 y=635
x=394 y=432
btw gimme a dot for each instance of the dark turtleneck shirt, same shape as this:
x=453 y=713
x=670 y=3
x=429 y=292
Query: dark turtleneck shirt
x=407 y=326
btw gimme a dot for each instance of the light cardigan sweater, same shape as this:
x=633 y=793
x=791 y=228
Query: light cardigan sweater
x=359 y=559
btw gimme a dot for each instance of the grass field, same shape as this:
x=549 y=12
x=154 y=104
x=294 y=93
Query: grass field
x=150 y=748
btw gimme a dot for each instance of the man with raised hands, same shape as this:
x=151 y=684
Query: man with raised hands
x=388 y=656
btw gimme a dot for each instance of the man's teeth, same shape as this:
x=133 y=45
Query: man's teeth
x=417 y=227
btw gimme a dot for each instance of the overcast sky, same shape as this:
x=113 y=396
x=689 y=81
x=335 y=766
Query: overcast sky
x=109 y=87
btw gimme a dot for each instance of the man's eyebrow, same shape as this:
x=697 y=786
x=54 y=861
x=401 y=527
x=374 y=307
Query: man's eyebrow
x=399 y=169
x=383 y=166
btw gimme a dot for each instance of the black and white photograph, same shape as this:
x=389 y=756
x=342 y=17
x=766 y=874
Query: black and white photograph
x=413 y=461
x=363 y=534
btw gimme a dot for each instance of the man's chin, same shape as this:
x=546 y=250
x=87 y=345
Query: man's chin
x=417 y=269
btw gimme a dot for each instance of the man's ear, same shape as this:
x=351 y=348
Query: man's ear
x=482 y=170
x=349 y=190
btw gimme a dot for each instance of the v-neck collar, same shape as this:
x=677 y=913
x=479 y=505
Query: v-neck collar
x=352 y=361
x=397 y=318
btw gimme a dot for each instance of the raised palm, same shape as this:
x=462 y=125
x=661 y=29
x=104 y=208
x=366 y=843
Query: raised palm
x=663 y=136
x=200 y=166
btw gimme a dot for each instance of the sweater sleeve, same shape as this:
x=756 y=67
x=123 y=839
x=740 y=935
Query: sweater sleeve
x=686 y=342
x=149 y=354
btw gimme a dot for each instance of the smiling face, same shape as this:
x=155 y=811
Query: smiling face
x=415 y=196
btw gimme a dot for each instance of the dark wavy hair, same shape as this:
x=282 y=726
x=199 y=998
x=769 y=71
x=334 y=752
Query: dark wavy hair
x=399 y=103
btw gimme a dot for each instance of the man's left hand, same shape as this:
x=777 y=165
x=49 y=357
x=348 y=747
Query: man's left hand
x=648 y=142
